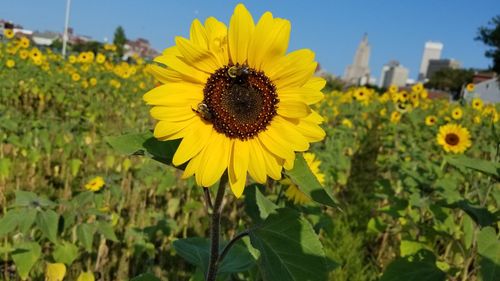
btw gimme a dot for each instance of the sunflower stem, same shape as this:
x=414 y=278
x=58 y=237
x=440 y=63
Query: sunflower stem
x=215 y=230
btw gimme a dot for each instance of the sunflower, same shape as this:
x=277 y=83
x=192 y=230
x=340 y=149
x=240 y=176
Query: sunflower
x=24 y=54
x=417 y=88
x=10 y=63
x=75 y=77
x=101 y=58
x=477 y=103
x=454 y=138
x=430 y=120
x=35 y=54
x=470 y=87
x=95 y=184
x=457 y=113
x=346 y=122
x=395 y=117
x=362 y=94
x=8 y=33
x=393 y=89
x=24 y=42
x=293 y=192
x=236 y=99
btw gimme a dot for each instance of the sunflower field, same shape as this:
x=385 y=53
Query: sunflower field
x=113 y=170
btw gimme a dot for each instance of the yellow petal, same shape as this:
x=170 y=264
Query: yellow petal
x=172 y=114
x=214 y=161
x=193 y=142
x=256 y=164
x=217 y=38
x=315 y=83
x=272 y=162
x=86 y=276
x=307 y=95
x=269 y=42
x=241 y=28
x=238 y=167
x=276 y=145
x=293 y=70
x=196 y=56
x=281 y=127
x=171 y=58
x=192 y=165
x=198 y=35
x=293 y=109
x=55 y=272
x=175 y=94
x=166 y=130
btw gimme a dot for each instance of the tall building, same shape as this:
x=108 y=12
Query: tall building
x=358 y=73
x=432 y=50
x=393 y=73
x=436 y=65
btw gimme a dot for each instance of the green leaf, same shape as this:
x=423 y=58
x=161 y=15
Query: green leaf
x=85 y=233
x=480 y=215
x=48 y=221
x=266 y=207
x=289 y=248
x=145 y=144
x=8 y=223
x=408 y=247
x=5 y=164
x=468 y=229
x=307 y=182
x=197 y=251
x=107 y=230
x=145 y=277
x=487 y=167
x=25 y=256
x=488 y=247
x=24 y=198
x=65 y=252
x=419 y=267
x=26 y=218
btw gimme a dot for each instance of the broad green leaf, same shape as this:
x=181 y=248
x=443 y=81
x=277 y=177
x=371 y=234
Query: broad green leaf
x=307 y=182
x=85 y=233
x=487 y=167
x=145 y=144
x=24 y=198
x=25 y=256
x=48 y=221
x=419 y=267
x=65 y=252
x=408 y=247
x=289 y=248
x=26 y=218
x=145 y=277
x=468 y=229
x=107 y=230
x=480 y=215
x=197 y=251
x=8 y=223
x=376 y=226
x=266 y=207
x=488 y=247
x=5 y=164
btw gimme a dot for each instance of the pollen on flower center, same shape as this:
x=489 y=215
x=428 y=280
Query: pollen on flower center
x=241 y=101
x=452 y=139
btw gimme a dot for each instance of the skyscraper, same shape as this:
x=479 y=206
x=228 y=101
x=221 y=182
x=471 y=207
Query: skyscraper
x=358 y=73
x=432 y=50
x=393 y=73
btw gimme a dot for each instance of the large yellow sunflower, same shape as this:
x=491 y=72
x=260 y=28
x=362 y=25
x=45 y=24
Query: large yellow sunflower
x=236 y=99
x=454 y=138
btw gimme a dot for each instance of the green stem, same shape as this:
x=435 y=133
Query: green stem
x=215 y=230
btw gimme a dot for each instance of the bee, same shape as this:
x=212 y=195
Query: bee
x=203 y=111
x=237 y=71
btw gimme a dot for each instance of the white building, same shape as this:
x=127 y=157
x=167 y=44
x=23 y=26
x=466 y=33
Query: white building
x=393 y=73
x=488 y=90
x=432 y=50
x=358 y=73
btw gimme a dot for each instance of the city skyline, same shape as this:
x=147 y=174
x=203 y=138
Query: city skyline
x=397 y=31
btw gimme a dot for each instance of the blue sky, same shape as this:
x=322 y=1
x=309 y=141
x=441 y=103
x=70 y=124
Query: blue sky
x=396 y=29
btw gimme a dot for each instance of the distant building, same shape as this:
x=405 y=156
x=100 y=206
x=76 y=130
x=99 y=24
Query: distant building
x=139 y=47
x=393 y=73
x=488 y=90
x=432 y=50
x=438 y=64
x=45 y=38
x=358 y=73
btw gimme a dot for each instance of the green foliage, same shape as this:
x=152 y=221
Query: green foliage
x=489 y=249
x=119 y=40
x=450 y=79
x=25 y=256
x=421 y=267
x=490 y=36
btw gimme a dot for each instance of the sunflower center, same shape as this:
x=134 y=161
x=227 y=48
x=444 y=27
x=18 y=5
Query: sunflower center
x=452 y=139
x=239 y=101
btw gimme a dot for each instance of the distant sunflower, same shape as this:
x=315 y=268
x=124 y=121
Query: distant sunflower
x=477 y=103
x=417 y=88
x=24 y=42
x=393 y=89
x=10 y=63
x=470 y=87
x=430 y=120
x=95 y=184
x=293 y=192
x=454 y=138
x=236 y=99
x=457 y=113
x=8 y=33
x=395 y=117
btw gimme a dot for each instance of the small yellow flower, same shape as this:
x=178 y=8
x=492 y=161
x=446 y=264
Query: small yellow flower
x=75 y=77
x=470 y=87
x=457 y=113
x=86 y=276
x=454 y=138
x=72 y=59
x=100 y=58
x=95 y=184
x=8 y=33
x=93 y=81
x=55 y=272
x=35 y=54
x=430 y=120
x=477 y=103
x=393 y=89
x=10 y=63
x=383 y=112
x=23 y=54
x=395 y=117
x=346 y=122
x=24 y=42
x=417 y=87
x=477 y=119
